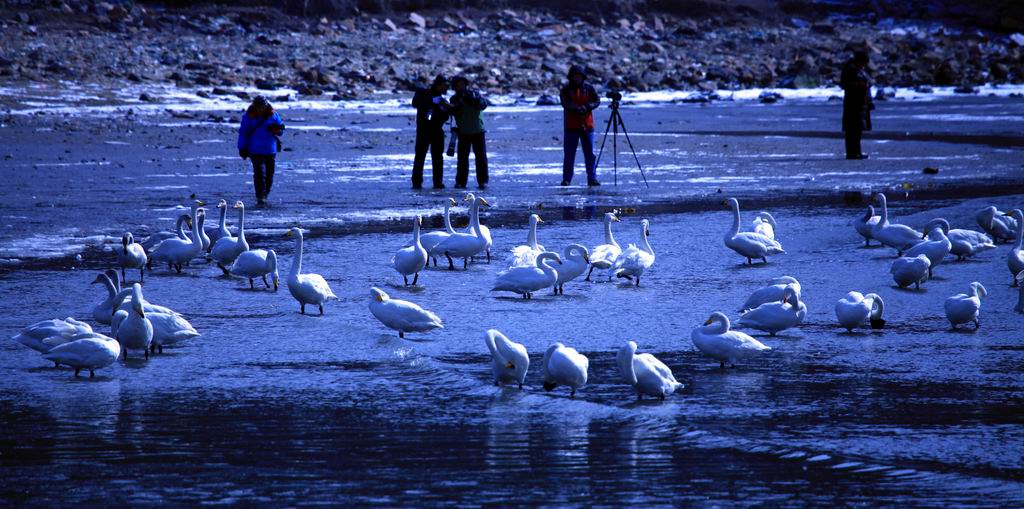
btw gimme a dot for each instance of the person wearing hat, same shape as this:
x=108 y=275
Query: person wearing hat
x=258 y=141
x=857 y=103
x=468 y=109
x=432 y=111
x=579 y=100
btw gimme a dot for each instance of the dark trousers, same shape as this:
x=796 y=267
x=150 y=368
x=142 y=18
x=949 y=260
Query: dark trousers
x=432 y=140
x=476 y=143
x=853 y=143
x=262 y=174
x=573 y=139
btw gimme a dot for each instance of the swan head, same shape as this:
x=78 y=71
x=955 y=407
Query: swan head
x=534 y=219
x=732 y=203
x=378 y=295
x=979 y=289
x=768 y=218
x=612 y=217
x=126 y=239
x=113 y=275
x=452 y=202
x=295 y=231
x=578 y=248
x=188 y=220
x=870 y=212
x=785 y=280
x=880 y=199
x=1016 y=214
x=935 y=223
x=239 y=205
x=647 y=227
x=789 y=294
x=548 y=255
x=624 y=358
x=100 y=278
x=222 y=204
x=272 y=261
x=719 y=317
x=137 y=300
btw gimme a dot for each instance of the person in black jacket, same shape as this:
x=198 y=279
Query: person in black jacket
x=857 y=104
x=431 y=115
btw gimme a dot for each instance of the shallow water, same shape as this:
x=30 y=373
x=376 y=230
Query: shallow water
x=272 y=405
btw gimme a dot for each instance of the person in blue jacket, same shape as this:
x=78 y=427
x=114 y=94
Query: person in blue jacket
x=258 y=141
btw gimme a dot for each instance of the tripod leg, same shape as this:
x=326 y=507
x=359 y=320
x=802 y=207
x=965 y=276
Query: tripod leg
x=608 y=127
x=631 y=149
x=615 y=145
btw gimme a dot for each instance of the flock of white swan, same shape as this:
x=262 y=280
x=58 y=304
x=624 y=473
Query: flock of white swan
x=137 y=324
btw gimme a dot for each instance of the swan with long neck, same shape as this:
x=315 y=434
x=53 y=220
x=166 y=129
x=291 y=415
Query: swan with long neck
x=257 y=263
x=481 y=230
x=410 y=260
x=965 y=307
x=102 y=311
x=774 y=317
x=897 y=236
x=179 y=232
x=134 y=331
x=509 y=360
x=998 y=224
x=633 y=261
x=575 y=260
x=526 y=280
x=963 y=243
x=604 y=255
x=178 y=252
x=401 y=315
x=465 y=245
x=563 y=365
x=221 y=230
x=716 y=340
x=227 y=249
x=865 y=223
x=306 y=288
x=855 y=308
x=764 y=223
x=131 y=256
x=645 y=373
x=526 y=254
x=1015 y=260
x=750 y=245
x=203 y=237
x=935 y=248
x=908 y=271
x=432 y=239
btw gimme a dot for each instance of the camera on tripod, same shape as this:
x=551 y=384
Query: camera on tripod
x=615 y=96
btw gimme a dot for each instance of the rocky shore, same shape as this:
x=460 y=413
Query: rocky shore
x=504 y=51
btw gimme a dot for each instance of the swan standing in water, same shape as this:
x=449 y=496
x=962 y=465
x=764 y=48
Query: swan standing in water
x=749 y=245
x=227 y=249
x=774 y=317
x=771 y=293
x=257 y=263
x=645 y=373
x=168 y=328
x=134 y=330
x=855 y=309
x=908 y=271
x=604 y=255
x=526 y=280
x=634 y=260
x=526 y=255
x=177 y=252
x=1000 y=225
x=412 y=258
x=963 y=243
x=575 y=260
x=178 y=233
x=716 y=340
x=306 y=288
x=866 y=223
x=935 y=248
x=221 y=230
x=88 y=350
x=509 y=360
x=764 y=223
x=563 y=365
x=131 y=256
x=481 y=230
x=432 y=239
x=401 y=315
x=465 y=245
x=203 y=237
x=965 y=307
x=102 y=311
x=60 y=331
x=1015 y=260
x=897 y=236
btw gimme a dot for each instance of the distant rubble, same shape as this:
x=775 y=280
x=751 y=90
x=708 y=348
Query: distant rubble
x=624 y=45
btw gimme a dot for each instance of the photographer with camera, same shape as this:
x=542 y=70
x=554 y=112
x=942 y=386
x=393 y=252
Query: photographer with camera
x=432 y=112
x=258 y=141
x=467 y=109
x=579 y=100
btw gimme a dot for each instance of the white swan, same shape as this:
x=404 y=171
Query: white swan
x=965 y=307
x=908 y=271
x=526 y=254
x=60 y=330
x=88 y=350
x=203 y=236
x=963 y=243
x=526 y=280
x=401 y=315
x=411 y=259
x=575 y=260
x=1015 y=260
x=134 y=330
x=866 y=223
x=123 y=301
x=256 y=263
x=168 y=329
x=432 y=239
x=131 y=256
x=715 y=340
x=178 y=233
x=1020 y=293
x=771 y=293
x=774 y=317
x=764 y=223
x=509 y=360
x=563 y=365
x=227 y=249
x=935 y=248
x=604 y=255
x=177 y=252
x=997 y=224
x=481 y=230
x=221 y=230
x=102 y=311
x=897 y=236
x=855 y=309
x=465 y=245
x=645 y=373
x=306 y=288
x=633 y=261
x=749 y=245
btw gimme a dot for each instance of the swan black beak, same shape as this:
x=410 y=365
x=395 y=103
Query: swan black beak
x=510 y=365
x=708 y=322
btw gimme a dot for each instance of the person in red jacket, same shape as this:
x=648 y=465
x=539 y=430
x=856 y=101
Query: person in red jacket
x=579 y=100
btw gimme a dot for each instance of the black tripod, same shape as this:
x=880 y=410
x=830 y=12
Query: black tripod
x=614 y=123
